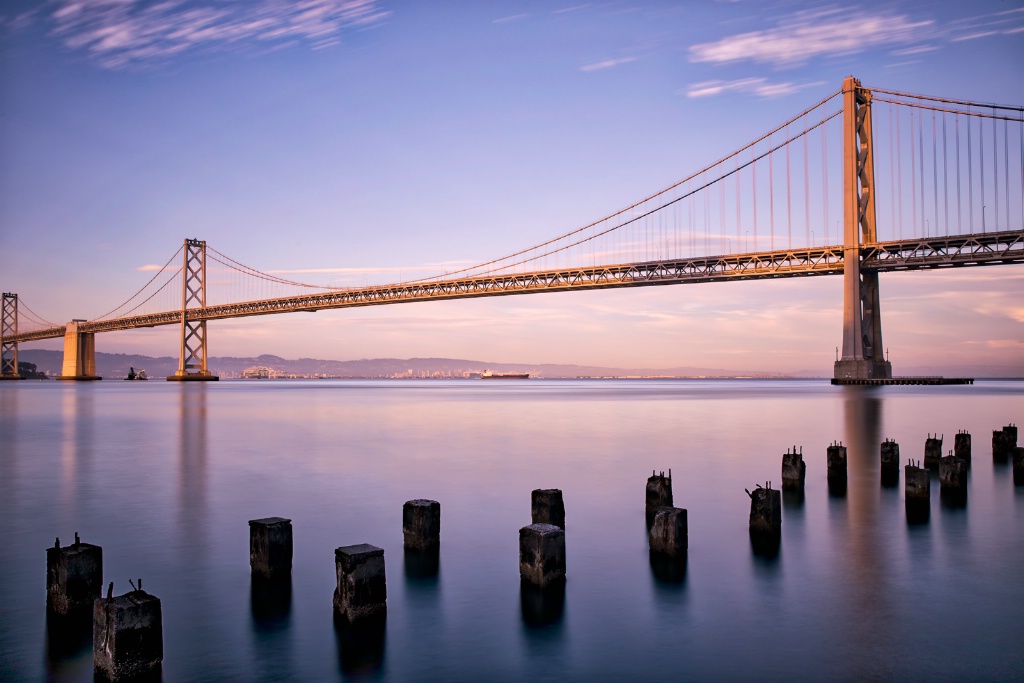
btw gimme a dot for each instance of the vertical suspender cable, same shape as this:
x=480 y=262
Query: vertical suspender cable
x=981 y=165
x=959 y=207
x=935 y=177
x=913 y=178
x=807 y=194
x=970 y=178
x=995 y=170
x=945 y=175
x=920 y=147
x=771 y=202
x=892 y=173
x=899 y=171
x=753 y=171
x=789 y=199
x=824 y=175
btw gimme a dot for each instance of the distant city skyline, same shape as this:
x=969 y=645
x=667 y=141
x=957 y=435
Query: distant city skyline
x=350 y=142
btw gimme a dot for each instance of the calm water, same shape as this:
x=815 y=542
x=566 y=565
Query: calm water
x=165 y=476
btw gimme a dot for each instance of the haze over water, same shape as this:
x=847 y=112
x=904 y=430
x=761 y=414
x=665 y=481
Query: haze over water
x=165 y=476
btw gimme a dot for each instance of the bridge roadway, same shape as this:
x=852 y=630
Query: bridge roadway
x=898 y=255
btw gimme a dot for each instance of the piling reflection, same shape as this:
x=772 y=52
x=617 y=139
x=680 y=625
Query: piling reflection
x=542 y=607
x=421 y=567
x=360 y=645
x=668 y=571
x=68 y=643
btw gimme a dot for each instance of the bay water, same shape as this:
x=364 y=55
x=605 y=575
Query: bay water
x=164 y=476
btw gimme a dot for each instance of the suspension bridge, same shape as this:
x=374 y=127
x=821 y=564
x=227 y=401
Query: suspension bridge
x=909 y=182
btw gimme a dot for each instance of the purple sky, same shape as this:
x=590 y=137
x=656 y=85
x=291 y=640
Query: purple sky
x=346 y=143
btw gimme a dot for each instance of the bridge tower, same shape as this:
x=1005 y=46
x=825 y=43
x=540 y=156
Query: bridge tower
x=863 y=354
x=192 y=358
x=9 y=349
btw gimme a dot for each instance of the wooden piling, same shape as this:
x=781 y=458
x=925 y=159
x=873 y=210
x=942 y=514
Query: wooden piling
x=421 y=524
x=270 y=547
x=794 y=469
x=127 y=639
x=542 y=554
x=547 y=507
x=362 y=585
x=74 y=576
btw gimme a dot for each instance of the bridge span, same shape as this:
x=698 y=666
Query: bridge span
x=656 y=233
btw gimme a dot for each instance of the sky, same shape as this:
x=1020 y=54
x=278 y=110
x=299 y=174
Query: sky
x=351 y=142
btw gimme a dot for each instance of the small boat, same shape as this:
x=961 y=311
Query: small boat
x=487 y=374
x=132 y=375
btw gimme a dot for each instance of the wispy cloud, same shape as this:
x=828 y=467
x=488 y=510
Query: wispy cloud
x=120 y=33
x=149 y=268
x=510 y=18
x=761 y=87
x=607 y=64
x=808 y=34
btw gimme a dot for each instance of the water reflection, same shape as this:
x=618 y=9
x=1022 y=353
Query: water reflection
x=668 y=571
x=77 y=441
x=542 y=607
x=69 y=645
x=361 y=647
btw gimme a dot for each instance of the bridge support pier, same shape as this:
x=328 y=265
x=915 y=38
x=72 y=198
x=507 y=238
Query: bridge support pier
x=863 y=353
x=9 y=349
x=79 y=354
x=192 y=357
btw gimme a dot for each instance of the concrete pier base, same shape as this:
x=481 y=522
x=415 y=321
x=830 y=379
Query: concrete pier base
x=1018 y=466
x=794 y=469
x=932 y=451
x=270 y=547
x=362 y=587
x=765 y=510
x=668 y=535
x=127 y=634
x=659 y=494
x=962 y=446
x=890 y=463
x=917 y=492
x=421 y=525
x=953 y=480
x=542 y=554
x=765 y=520
x=836 y=473
x=74 y=577
x=547 y=507
x=1003 y=443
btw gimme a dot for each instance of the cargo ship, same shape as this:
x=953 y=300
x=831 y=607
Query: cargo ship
x=487 y=374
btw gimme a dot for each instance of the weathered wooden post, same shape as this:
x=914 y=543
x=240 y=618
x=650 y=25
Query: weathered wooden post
x=74 y=576
x=421 y=525
x=542 y=554
x=917 y=492
x=962 y=445
x=765 y=519
x=794 y=469
x=932 y=451
x=547 y=507
x=270 y=547
x=362 y=587
x=127 y=634
x=1003 y=443
x=659 y=494
x=668 y=535
x=836 y=460
x=953 y=480
x=890 y=461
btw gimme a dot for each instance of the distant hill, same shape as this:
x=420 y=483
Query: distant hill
x=113 y=365
x=117 y=365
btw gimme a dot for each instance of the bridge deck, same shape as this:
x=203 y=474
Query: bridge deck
x=898 y=255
